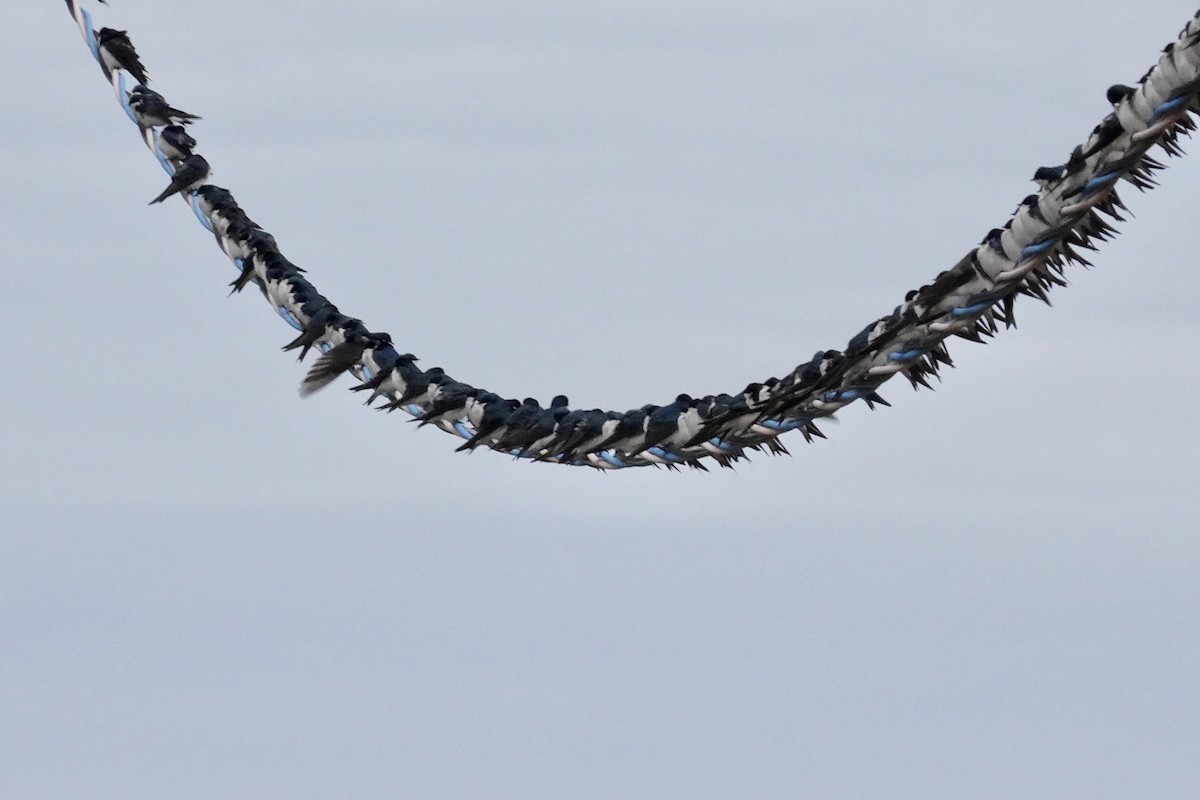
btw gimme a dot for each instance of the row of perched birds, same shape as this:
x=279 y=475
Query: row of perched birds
x=1074 y=208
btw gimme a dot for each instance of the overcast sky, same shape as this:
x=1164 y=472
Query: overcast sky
x=215 y=589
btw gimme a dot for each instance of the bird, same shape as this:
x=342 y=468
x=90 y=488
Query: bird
x=493 y=418
x=529 y=423
x=419 y=389
x=116 y=52
x=566 y=425
x=1028 y=221
x=1104 y=134
x=476 y=404
x=175 y=143
x=378 y=358
x=727 y=415
x=315 y=328
x=544 y=428
x=275 y=269
x=237 y=240
x=338 y=329
x=587 y=448
x=448 y=404
x=1047 y=177
x=630 y=427
x=191 y=174
x=152 y=110
x=215 y=200
x=339 y=358
x=264 y=259
x=663 y=423
x=706 y=409
x=390 y=379
x=574 y=429
x=288 y=293
x=232 y=223
x=1118 y=92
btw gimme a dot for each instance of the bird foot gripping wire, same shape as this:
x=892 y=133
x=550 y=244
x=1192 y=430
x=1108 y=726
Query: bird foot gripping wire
x=1074 y=208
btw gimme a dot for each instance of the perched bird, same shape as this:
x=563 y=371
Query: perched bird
x=590 y=445
x=191 y=174
x=390 y=379
x=574 y=429
x=448 y=404
x=824 y=368
x=152 y=110
x=727 y=415
x=520 y=418
x=275 y=268
x=419 y=389
x=566 y=424
x=476 y=404
x=663 y=423
x=867 y=339
x=175 y=143
x=116 y=52
x=340 y=358
x=315 y=328
x=378 y=358
x=249 y=241
x=1075 y=162
x=1104 y=134
x=1029 y=221
x=992 y=240
x=287 y=291
x=338 y=329
x=297 y=297
x=239 y=236
x=313 y=305
x=1047 y=177
x=237 y=240
x=630 y=428
x=544 y=429
x=215 y=200
x=493 y=418
x=529 y=424
x=264 y=259
x=1118 y=92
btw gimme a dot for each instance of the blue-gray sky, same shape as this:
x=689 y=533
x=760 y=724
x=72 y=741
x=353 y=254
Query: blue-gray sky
x=215 y=589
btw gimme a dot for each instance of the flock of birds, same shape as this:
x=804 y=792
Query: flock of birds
x=1074 y=208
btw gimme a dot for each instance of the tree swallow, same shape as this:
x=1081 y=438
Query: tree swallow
x=1118 y=92
x=116 y=52
x=528 y=423
x=448 y=404
x=340 y=358
x=574 y=429
x=191 y=174
x=238 y=238
x=663 y=423
x=175 y=143
x=492 y=421
x=629 y=429
x=390 y=380
x=419 y=389
x=543 y=429
x=152 y=110
x=1047 y=177
x=264 y=260
x=327 y=319
x=215 y=202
